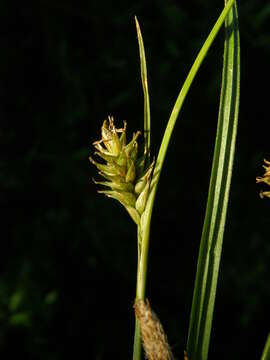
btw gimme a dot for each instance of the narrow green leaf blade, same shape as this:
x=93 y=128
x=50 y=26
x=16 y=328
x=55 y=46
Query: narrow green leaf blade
x=214 y=223
x=266 y=350
x=147 y=143
x=147 y=118
x=174 y=115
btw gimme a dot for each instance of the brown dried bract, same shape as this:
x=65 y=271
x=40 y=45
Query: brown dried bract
x=153 y=336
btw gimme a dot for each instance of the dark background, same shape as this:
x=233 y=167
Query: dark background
x=68 y=255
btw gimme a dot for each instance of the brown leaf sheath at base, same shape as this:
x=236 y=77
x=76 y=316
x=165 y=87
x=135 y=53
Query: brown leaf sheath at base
x=153 y=336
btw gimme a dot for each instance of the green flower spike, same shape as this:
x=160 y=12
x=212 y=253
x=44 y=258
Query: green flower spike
x=265 y=179
x=126 y=176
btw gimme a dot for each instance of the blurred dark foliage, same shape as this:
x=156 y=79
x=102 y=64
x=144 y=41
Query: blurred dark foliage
x=68 y=255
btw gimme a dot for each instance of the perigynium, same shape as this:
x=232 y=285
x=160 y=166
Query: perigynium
x=126 y=174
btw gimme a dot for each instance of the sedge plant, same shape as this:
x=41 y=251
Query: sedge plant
x=130 y=176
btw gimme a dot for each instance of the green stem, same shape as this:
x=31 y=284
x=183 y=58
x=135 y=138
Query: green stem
x=137 y=348
x=141 y=284
x=137 y=337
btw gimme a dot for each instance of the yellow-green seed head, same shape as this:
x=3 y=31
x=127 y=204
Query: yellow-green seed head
x=127 y=179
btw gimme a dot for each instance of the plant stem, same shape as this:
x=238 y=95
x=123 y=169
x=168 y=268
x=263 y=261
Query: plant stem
x=137 y=348
x=137 y=337
x=143 y=243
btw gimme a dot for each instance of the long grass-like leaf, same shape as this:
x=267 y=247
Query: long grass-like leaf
x=213 y=229
x=174 y=115
x=147 y=119
x=147 y=139
x=266 y=350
